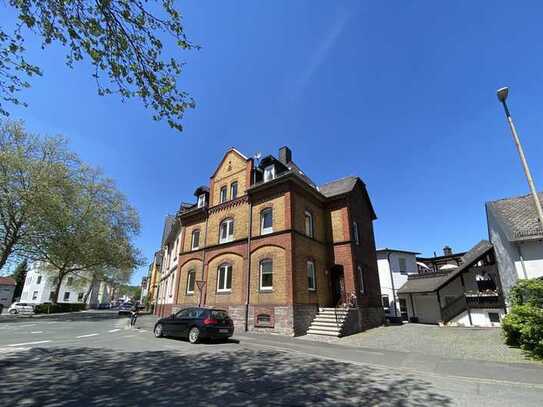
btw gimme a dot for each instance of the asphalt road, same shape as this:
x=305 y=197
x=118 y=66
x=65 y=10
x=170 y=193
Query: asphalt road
x=96 y=359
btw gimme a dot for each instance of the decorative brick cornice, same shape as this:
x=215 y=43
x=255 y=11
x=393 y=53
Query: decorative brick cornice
x=229 y=204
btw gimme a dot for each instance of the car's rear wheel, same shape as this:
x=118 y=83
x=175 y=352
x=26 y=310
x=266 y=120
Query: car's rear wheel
x=194 y=335
x=159 y=331
x=13 y=311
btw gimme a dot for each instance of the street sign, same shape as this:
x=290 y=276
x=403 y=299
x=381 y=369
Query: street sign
x=200 y=284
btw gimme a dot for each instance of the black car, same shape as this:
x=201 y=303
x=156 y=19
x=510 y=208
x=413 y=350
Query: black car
x=196 y=324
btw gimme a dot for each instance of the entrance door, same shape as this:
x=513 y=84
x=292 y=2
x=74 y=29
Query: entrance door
x=403 y=309
x=338 y=286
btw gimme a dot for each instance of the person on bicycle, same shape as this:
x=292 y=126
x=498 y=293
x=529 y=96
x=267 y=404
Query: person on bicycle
x=134 y=314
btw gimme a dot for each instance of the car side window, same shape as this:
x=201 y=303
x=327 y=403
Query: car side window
x=183 y=314
x=195 y=313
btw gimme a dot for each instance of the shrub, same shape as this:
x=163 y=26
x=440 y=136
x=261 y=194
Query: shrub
x=527 y=292
x=55 y=308
x=523 y=326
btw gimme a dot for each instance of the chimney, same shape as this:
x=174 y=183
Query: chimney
x=285 y=155
x=447 y=251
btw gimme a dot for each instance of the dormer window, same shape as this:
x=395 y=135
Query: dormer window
x=201 y=200
x=269 y=173
x=223 y=194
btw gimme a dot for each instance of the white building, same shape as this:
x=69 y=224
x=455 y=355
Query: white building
x=39 y=287
x=171 y=243
x=467 y=295
x=394 y=267
x=517 y=236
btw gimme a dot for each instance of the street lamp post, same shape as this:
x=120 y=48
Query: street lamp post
x=502 y=96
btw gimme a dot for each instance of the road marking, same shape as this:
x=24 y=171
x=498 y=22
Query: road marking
x=129 y=336
x=114 y=330
x=36 y=332
x=28 y=343
x=25 y=326
x=86 y=336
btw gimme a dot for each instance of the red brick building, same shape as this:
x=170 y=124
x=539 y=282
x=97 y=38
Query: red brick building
x=270 y=246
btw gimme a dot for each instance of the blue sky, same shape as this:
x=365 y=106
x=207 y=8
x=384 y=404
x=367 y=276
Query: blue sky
x=399 y=93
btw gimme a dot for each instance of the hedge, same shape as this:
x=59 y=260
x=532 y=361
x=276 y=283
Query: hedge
x=55 y=308
x=523 y=326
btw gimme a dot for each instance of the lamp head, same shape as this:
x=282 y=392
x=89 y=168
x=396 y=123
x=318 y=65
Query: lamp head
x=502 y=94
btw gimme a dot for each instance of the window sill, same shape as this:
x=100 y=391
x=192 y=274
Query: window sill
x=312 y=290
x=189 y=294
x=266 y=232
x=226 y=241
x=225 y=292
x=265 y=290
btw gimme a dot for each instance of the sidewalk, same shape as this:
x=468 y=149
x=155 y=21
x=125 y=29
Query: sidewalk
x=524 y=373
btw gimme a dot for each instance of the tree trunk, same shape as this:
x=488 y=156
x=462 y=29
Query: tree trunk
x=6 y=252
x=61 y=275
x=89 y=291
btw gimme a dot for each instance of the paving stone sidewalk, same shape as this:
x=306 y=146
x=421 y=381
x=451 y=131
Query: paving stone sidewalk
x=449 y=342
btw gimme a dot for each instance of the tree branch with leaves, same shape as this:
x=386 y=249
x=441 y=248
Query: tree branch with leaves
x=123 y=39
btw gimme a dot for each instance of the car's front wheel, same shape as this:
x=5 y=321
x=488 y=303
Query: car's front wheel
x=194 y=335
x=13 y=311
x=159 y=331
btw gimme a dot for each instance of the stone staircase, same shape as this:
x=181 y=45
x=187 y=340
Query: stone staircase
x=329 y=322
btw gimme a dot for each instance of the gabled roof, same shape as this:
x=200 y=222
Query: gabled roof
x=231 y=149
x=338 y=187
x=168 y=224
x=344 y=186
x=7 y=281
x=430 y=282
x=518 y=217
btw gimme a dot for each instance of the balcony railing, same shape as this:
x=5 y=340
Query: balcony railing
x=485 y=300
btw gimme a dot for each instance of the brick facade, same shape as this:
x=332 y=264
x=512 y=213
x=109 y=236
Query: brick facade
x=290 y=305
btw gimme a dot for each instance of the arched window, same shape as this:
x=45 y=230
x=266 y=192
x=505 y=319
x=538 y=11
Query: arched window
x=361 y=279
x=266 y=274
x=311 y=276
x=191 y=280
x=356 y=235
x=308 y=216
x=234 y=190
x=226 y=231
x=195 y=243
x=224 y=278
x=266 y=221
x=222 y=194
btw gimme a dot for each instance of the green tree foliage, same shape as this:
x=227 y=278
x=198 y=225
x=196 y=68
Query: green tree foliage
x=523 y=326
x=89 y=227
x=19 y=275
x=123 y=39
x=33 y=171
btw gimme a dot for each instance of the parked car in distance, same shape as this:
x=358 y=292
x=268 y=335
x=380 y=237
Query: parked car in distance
x=124 y=309
x=20 y=308
x=196 y=324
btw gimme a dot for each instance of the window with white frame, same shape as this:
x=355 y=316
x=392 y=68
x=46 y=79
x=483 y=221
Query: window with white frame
x=170 y=285
x=195 y=242
x=356 y=235
x=191 y=280
x=66 y=296
x=38 y=281
x=175 y=249
x=226 y=231
x=80 y=297
x=386 y=301
x=308 y=217
x=266 y=274
x=201 y=200
x=269 y=173
x=266 y=221
x=222 y=194
x=361 y=279
x=311 y=276
x=70 y=281
x=35 y=295
x=234 y=190
x=224 y=278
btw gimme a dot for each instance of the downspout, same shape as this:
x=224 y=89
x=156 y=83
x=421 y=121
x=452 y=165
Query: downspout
x=248 y=279
x=203 y=295
x=521 y=257
x=392 y=282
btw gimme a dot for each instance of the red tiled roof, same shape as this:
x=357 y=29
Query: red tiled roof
x=7 y=281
